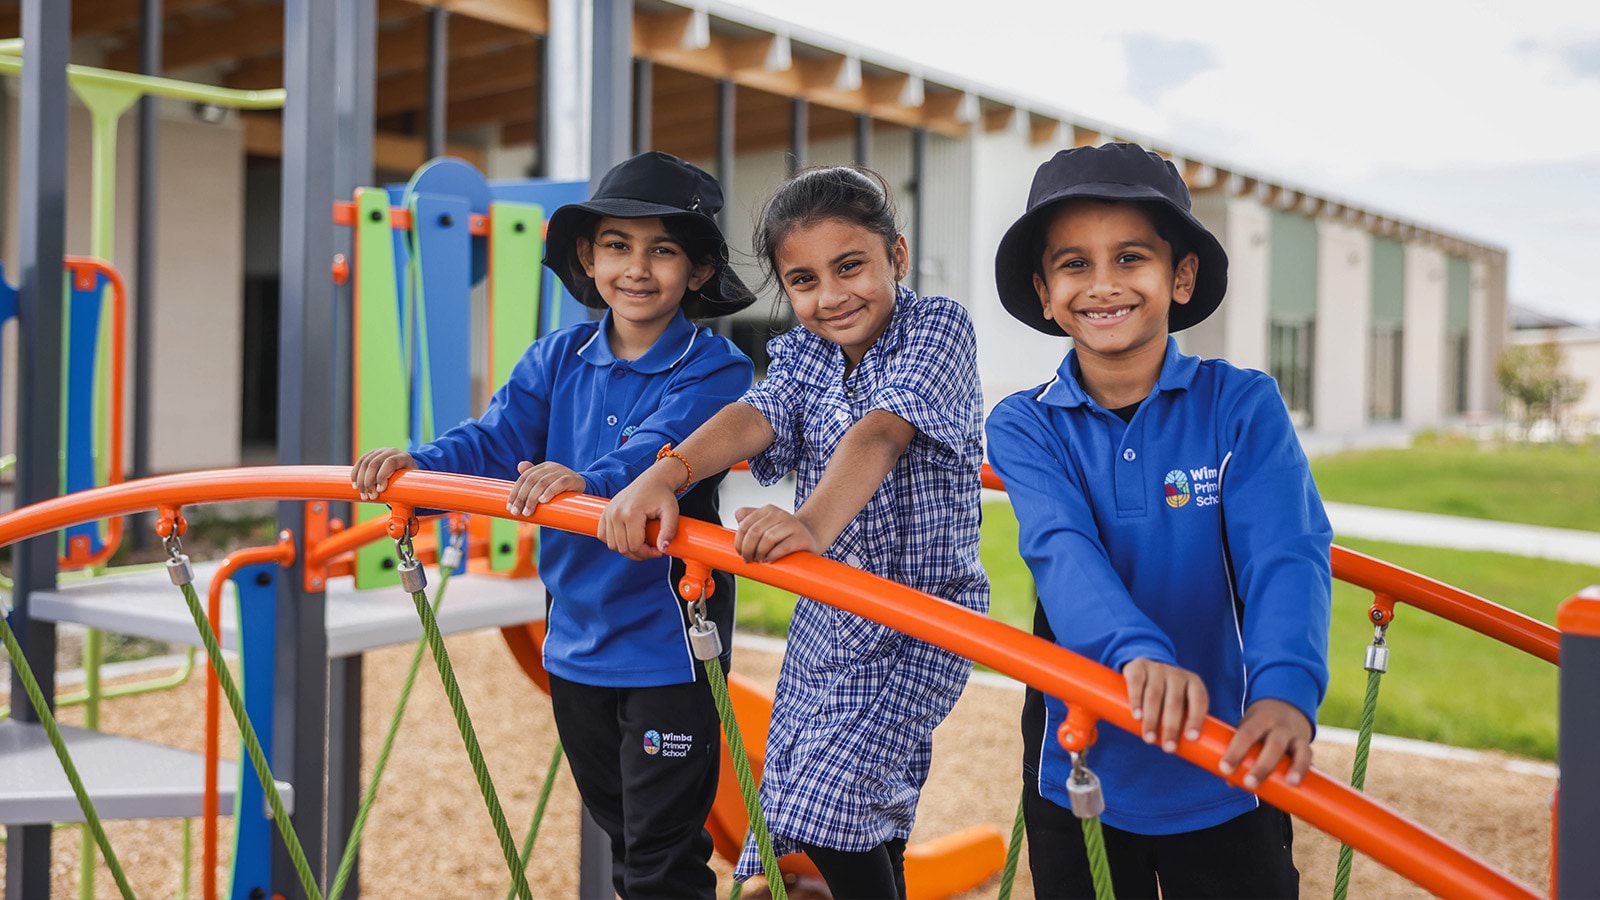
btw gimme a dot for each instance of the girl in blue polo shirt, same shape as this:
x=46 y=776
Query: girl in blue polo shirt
x=874 y=403
x=585 y=410
x=1174 y=532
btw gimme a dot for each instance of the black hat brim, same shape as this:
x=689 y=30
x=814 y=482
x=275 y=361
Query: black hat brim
x=723 y=294
x=1014 y=265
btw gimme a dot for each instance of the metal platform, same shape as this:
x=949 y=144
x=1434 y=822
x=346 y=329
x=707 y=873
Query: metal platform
x=128 y=779
x=147 y=605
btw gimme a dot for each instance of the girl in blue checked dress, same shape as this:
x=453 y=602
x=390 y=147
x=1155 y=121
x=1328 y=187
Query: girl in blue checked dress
x=874 y=403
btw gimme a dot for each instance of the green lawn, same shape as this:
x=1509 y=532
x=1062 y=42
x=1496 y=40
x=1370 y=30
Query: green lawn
x=1444 y=684
x=1556 y=485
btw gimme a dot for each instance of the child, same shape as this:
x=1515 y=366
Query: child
x=585 y=409
x=874 y=403
x=1173 y=529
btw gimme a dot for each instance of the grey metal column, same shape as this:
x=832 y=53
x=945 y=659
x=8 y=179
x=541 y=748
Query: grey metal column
x=863 y=144
x=726 y=93
x=643 y=79
x=144 y=241
x=594 y=861
x=919 y=173
x=438 y=78
x=799 y=129
x=610 y=117
x=1578 y=819
x=611 y=85
x=352 y=168
x=541 y=154
x=41 y=241
x=311 y=45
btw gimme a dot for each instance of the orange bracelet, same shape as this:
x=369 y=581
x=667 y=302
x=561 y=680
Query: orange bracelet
x=665 y=452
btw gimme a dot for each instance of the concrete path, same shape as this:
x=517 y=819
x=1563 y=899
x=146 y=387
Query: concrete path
x=1460 y=533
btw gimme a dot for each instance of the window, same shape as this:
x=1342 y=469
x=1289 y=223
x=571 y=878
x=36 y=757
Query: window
x=1456 y=368
x=1383 y=376
x=1290 y=362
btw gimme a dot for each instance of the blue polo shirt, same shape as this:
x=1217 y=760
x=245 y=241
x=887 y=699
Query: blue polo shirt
x=613 y=622
x=1123 y=526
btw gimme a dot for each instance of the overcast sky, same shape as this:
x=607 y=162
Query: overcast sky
x=1479 y=117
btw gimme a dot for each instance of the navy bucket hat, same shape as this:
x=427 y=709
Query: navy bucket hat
x=650 y=185
x=1118 y=172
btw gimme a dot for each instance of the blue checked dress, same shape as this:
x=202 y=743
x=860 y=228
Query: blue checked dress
x=857 y=702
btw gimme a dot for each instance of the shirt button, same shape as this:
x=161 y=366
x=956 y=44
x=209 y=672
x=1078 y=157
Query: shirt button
x=842 y=416
x=850 y=559
x=1129 y=455
x=611 y=420
x=617 y=372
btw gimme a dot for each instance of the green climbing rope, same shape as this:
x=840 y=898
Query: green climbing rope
x=1094 y=842
x=747 y=782
x=538 y=811
x=347 y=861
x=1358 y=777
x=252 y=744
x=1008 y=875
x=469 y=736
x=30 y=686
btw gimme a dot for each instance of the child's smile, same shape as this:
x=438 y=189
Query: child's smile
x=841 y=281
x=1108 y=278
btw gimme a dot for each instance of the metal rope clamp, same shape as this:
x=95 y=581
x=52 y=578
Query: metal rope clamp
x=696 y=587
x=450 y=556
x=1077 y=734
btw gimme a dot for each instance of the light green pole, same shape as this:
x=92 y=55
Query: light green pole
x=108 y=94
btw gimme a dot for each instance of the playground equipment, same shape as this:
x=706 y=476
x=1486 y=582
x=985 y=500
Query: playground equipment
x=1365 y=825
x=305 y=588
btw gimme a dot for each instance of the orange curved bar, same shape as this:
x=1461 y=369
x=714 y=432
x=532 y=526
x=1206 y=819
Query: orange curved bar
x=281 y=553
x=88 y=267
x=1469 y=610
x=1453 y=604
x=352 y=538
x=1377 y=831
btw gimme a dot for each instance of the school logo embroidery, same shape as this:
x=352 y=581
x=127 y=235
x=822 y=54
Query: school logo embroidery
x=1176 y=487
x=670 y=745
x=628 y=433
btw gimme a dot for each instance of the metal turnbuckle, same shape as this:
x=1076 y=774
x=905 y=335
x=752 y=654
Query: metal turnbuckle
x=412 y=578
x=703 y=637
x=1083 y=790
x=1378 y=651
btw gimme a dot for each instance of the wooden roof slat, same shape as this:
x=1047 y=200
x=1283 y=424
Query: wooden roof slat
x=251 y=31
x=511 y=67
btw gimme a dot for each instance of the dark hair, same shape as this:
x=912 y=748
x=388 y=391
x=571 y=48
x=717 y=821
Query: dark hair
x=854 y=194
x=699 y=244
x=1166 y=224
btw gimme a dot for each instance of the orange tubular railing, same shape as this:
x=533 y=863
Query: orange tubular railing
x=1370 y=827
x=1469 y=610
x=1405 y=586
x=281 y=553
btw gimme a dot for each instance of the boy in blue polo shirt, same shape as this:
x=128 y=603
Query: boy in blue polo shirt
x=1174 y=532
x=586 y=409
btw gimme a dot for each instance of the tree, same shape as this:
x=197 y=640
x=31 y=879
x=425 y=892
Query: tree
x=1534 y=377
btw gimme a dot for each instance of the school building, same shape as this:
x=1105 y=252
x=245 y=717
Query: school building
x=1374 y=324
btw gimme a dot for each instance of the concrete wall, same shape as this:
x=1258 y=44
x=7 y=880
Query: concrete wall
x=1344 y=314
x=1237 y=331
x=1489 y=334
x=199 y=276
x=1422 y=403
x=1011 y=355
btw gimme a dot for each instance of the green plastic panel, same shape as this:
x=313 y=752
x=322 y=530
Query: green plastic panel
x=381 y=396
x=516 y=285
x=1458 y=295
x=1293 y=284
x=1388 y=283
